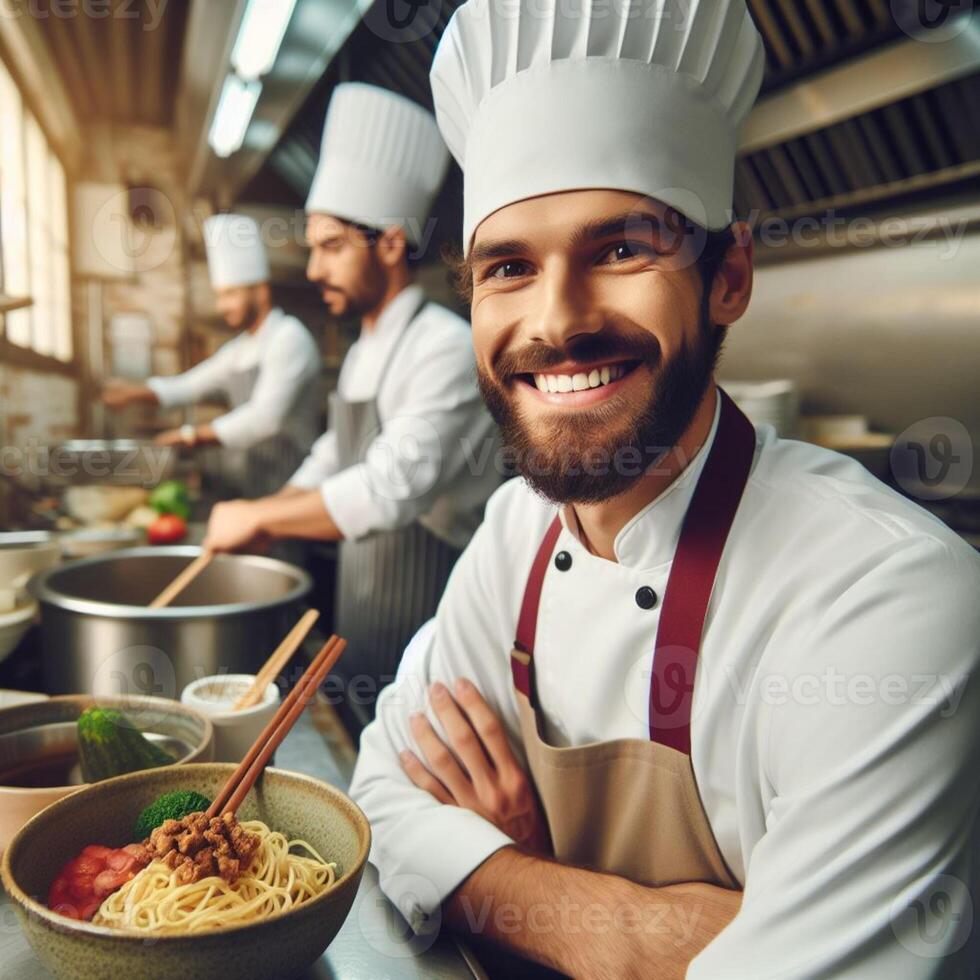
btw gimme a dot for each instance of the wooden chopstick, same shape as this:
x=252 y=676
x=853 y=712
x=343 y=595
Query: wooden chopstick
x=280 y=657
x=182 y=580
x=293 y=705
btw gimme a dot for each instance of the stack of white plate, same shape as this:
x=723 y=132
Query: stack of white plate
x=775 y=403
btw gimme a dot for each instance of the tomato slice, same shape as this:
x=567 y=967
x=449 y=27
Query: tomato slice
x=80 y=886
x=88 y=910
x=87 y=865
x=96 y=851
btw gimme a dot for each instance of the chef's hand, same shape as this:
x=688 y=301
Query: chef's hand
x=490 y=781
x=233 y=526
x=172 y=437
x=119 y=394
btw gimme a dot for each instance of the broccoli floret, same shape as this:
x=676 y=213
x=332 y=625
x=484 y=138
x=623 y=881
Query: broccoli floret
x=170 y=806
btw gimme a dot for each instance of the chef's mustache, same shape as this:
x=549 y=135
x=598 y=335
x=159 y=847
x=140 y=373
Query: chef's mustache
x=537 y=358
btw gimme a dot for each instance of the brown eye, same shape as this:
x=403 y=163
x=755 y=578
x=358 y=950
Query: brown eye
x=508 y=270
x=624 y=251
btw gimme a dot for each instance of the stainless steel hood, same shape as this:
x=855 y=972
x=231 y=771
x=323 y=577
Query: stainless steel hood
x=855 y=113
x=901 y=120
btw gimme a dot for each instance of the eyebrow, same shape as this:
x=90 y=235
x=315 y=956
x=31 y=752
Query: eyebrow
x=500 y=249
x=619 y=224
x=591 y=231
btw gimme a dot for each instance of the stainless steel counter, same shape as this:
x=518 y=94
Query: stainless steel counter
x=375 y=941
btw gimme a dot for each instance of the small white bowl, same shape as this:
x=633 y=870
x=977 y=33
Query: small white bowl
x=234 y=731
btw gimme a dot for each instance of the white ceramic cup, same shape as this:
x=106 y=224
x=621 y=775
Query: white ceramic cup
x=234 y=731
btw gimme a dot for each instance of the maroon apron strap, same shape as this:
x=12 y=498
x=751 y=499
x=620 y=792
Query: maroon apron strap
x=692 y=575
x=527 y=623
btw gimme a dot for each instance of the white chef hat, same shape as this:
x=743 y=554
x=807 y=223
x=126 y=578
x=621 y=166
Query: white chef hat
x=382 y=160
x=236 y=254
x=539 y=96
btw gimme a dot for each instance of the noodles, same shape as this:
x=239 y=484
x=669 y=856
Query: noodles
x=276 y=882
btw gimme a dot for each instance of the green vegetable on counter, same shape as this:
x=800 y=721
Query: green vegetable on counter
x=109 y=744
x=172 y=497
x=170 y=806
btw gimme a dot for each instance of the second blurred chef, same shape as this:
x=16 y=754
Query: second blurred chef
x=267 y=372
x=402 y=474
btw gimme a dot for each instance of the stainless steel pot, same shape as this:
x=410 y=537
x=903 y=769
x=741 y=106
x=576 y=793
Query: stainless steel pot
x=99 y=637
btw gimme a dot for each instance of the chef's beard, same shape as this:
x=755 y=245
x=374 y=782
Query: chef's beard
x=592 y=455
x=249 y=318
x=365 y=295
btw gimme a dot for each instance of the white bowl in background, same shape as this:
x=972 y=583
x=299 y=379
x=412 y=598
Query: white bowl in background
x=89 y=541
x=234 y=731
x=23 y=553
x=13 y=626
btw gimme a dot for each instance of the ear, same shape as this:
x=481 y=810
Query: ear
x=392 y=246
x=732 y=288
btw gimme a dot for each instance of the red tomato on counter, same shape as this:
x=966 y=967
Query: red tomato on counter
x=167 y=529
x=87 y=880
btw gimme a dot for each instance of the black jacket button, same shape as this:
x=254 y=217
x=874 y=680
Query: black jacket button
x=646 y=598
x=563 y=561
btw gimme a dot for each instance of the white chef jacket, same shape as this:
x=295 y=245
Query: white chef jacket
x=287 y=362
x=437 y=445
x=834 y=745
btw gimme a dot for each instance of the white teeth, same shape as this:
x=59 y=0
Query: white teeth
x=579 y=382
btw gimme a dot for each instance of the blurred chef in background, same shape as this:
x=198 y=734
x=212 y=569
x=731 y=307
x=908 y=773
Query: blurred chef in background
x=267 y=372
x=402 y=474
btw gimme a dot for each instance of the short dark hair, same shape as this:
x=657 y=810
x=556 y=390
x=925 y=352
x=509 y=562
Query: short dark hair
x=714 y=246
x=414 y=257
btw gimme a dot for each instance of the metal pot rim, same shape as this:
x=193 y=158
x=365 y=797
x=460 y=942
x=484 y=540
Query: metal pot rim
x=42 y=590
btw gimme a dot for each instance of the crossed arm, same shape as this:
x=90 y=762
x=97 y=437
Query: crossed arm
x=581 y=922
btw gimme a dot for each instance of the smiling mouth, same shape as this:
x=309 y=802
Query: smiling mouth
x=584 y=379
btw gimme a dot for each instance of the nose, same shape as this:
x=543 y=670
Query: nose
x=565 y=308
x=313 y=270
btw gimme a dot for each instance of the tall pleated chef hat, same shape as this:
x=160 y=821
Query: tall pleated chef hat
x=539 y=96
x=381 y=162
x=236 y=254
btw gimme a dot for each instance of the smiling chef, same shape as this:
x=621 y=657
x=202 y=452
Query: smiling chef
x=402 y=475
x=697 y=700
x=267 y=372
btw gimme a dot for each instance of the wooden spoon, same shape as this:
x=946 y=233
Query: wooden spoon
x=182 y=580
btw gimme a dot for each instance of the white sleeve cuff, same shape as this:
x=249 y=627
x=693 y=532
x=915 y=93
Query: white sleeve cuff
x=433 y=853
x=350 y=502
x=235 y=433
x=309 y=475
x=164 y=390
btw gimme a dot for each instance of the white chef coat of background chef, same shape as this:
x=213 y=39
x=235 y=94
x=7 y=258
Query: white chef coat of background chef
x=821 y=657
x=268 y=377
x=437 y=444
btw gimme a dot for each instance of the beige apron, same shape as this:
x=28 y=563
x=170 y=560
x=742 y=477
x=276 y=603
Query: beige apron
x=632 y=807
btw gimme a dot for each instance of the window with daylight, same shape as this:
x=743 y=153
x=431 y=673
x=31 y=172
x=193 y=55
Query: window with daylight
x=33 y=231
